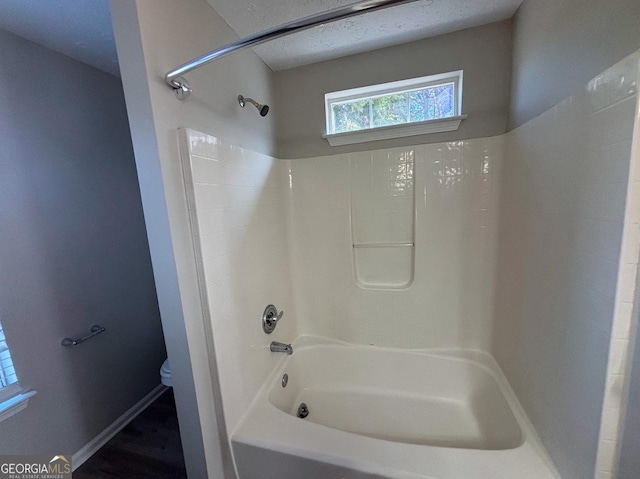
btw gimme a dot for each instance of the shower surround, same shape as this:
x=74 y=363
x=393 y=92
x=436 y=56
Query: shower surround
x=568 y=254
x=263 y=225
x=448 y=303
x=531 y=274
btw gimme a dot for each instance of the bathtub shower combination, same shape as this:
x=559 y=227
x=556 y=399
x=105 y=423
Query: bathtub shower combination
x=437 y=300
x=351 y=403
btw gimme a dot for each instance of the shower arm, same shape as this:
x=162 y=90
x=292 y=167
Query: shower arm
x=181 y=87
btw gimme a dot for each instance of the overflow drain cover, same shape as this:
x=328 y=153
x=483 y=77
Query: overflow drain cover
x=303 y=411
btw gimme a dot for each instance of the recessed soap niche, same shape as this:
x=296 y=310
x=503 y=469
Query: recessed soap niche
x=382 y=187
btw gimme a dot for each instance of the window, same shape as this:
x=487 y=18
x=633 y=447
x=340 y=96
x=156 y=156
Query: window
x=7 y=371
x=403 y=108
x=13 y=398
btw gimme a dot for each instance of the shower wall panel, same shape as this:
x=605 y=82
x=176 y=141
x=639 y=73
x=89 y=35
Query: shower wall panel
x=564 y=190
x=449 y=302
x=237 y=217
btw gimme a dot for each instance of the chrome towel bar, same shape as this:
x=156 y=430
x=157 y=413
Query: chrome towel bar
x=95 y=330
x=385 y=245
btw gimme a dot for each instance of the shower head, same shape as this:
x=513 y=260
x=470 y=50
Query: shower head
x=262 y=109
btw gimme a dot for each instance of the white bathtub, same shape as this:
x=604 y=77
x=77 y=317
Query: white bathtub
x=384 y=413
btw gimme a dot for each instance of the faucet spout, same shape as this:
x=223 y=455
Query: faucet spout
x=277 y=347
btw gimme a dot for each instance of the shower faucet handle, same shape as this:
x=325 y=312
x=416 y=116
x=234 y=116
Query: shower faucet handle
x=270 y=318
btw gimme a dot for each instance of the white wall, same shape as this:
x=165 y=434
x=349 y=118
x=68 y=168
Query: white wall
x=237 y=213
x=561 y=224
x=153 y=37
x=74 y=251
x=448 y=305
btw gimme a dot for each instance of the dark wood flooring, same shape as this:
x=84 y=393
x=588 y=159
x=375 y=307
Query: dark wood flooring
x=148 y=447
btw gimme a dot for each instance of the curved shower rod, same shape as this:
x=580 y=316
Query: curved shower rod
x=182 y=88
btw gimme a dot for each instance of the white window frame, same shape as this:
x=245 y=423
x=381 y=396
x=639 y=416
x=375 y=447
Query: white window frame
x=13 y=399
x=402 y=129
x=9 y=391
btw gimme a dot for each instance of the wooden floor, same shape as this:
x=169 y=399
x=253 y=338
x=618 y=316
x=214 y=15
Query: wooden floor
x=149 y=447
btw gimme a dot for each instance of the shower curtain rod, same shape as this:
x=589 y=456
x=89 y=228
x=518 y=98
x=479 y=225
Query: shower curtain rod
x=182 y=88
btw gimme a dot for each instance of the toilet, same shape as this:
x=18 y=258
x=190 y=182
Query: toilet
x=165 y=373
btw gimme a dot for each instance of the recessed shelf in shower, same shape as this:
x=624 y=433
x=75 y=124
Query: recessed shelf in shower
x=382 y=218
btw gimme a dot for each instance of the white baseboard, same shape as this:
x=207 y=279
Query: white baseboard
x=101 y=439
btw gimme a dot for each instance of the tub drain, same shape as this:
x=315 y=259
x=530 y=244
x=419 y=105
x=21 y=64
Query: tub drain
x=303 y=411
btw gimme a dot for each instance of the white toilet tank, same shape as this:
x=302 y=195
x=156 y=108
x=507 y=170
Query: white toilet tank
x=165 y=373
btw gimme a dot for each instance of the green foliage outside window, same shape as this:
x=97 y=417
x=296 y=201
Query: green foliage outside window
x=395 y=109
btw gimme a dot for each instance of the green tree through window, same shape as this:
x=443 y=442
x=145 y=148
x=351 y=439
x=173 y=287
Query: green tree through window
x=409 y=106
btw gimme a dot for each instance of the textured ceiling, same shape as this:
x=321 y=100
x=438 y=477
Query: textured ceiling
x=391 y=26
x=83 y=30
x=80 y=29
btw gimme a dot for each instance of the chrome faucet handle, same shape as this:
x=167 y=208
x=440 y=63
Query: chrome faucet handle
x=270 y=318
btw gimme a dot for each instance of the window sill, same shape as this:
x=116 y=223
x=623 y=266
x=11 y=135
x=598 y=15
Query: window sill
x=395 y=131
x=15 y=404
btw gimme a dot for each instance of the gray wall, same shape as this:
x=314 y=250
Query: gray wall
x=74 y=251
x=484 y=53
x=559 y=45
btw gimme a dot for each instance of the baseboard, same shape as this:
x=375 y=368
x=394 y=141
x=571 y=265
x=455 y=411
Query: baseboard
x=101 y=439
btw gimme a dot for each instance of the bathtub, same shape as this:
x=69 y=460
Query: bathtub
x=384 y=413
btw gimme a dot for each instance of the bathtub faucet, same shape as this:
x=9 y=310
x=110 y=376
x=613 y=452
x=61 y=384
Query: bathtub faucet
x=277 y=347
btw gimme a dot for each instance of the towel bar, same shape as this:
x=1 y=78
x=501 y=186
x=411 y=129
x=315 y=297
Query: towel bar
x=95 y=330
x=385 y=245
